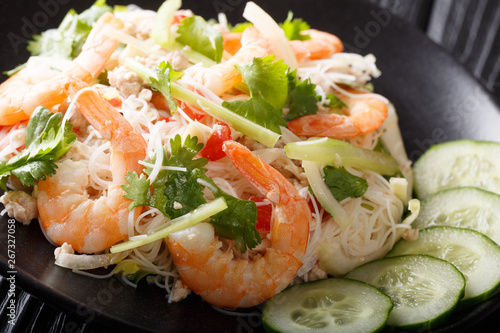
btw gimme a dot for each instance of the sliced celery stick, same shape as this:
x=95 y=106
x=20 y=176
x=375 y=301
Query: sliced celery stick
x=337 y=153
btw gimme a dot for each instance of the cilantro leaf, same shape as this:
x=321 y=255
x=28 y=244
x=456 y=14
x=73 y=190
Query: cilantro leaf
x=164 y=76
x=301 y=97
x=343 y=184
x=182 y=155
x=259 y=111
x=178 y=192
x=293 y=28
x=198 y=34
x=67 y=40
x=183 y=190
x=334 y=102
x=138 y=188
x=268 y=85
x=238 y=222
x=240 y=27
x=267 y=78
x=47 y=140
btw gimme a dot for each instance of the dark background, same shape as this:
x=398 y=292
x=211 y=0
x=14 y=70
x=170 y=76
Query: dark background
x=469 y=30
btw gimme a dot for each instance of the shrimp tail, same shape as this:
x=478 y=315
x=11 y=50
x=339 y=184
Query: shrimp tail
x=289 y=205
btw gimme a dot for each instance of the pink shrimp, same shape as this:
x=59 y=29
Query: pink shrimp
x=224 y=76
x=66 y=212
x=223 y=280
x=321 y=45
x=366 y=114
x=22 y=93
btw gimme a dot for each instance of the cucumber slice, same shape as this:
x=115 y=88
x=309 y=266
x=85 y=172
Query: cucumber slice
x=458 y=163
x=474 y=254
x=330 y=305
x=424 y=289
x=464 y=207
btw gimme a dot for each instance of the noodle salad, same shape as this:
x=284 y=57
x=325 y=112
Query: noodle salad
x=226 y=160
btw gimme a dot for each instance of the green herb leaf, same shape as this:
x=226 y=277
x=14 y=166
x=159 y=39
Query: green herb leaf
x=237 y=222
x=343 y=184
x=240 y=27
x=302 y=98
x=182 y=155
x=268 y=85
x=184 y=193
x=67 y=40
x=164 y=77
x=198 y=34
x=47 y=140
x=334 y=102
x=293 y=28
x=138 y=188
x=178 y=192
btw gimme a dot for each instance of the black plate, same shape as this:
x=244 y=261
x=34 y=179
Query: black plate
x=436 y=99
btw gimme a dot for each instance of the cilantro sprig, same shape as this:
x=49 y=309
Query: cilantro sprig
x=268 y=85
x=47 y=140
x=343 y=184
x=178 y=192
x=302 y=99
x=67 y=40
x=198 y=34
x=165 y=74
x=293 y=28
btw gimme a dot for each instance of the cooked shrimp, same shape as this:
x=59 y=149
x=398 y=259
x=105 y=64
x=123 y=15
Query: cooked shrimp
x=366 y=114
x=67 y=213
x=321 y=45
x=22 y=93
x=224 y=76
x=223 y=280
x=232 y=41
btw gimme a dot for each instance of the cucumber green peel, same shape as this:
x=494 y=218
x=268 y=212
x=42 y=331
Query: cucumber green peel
x=474 y=254
x=464 y=207
x=329 y=305
x=337 y=153
x=425 y=290
x=458 y=163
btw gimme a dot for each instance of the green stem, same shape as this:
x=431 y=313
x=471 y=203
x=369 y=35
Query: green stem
x=239 y=123
x=201 y=213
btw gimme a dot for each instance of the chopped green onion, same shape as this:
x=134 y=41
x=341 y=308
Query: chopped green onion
x=201 y=213
x=337 y=153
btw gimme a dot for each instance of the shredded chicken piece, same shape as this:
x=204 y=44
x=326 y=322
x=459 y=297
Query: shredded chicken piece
x=20 y=205
x=65 y=248
x=180 y=291
x=410 y=234
x=128 y=83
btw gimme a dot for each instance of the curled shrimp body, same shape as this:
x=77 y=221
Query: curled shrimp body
x=224 y=76
x=223 y=280
x=66 y=211
x=321 y=45
x=366 y=114
x=22 y=93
